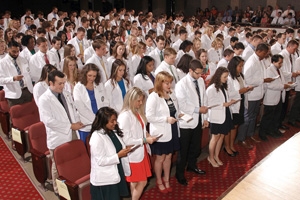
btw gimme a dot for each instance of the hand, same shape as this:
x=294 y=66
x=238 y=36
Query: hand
x=295 y=74
x=76 y=126
x=227 y=104
x=268 y=80
x=80 y=56
x=180 y=115
x=151 y=139
x=124 y=152
x=171 y=120
x=286 y=86
x=151 y=90
x=205 y=124
x=243 y=90
x=203 y=109
x=250 y=88
x=18 y=77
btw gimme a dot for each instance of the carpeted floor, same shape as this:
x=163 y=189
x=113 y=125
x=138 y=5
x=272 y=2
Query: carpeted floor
x=14 y=183
x=218 y=180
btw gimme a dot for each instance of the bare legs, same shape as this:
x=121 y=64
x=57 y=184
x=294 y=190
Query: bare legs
x=162 y=162
x=229 y=140
x=215 y=145
x=137 y=189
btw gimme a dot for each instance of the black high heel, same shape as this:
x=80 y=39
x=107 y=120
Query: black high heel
x=231 y=155
x=235 y=152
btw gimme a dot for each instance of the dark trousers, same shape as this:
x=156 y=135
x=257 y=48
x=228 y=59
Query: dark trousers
x=295 y=110
x=26 y=96
x=284 y=107
x=190 y=148
x=270 y=120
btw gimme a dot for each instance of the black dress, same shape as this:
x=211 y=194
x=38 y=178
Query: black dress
x=238 y=118
x=159 y=148
x=112 y=192
x=227 y=124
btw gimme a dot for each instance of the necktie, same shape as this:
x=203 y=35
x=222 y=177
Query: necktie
x=81 y=49
x=277 y=20
x=58 y=54
x=49 y=37
x=281 y=47
x=170 y=67
x=60 y=100
x=46 y=59
x=278 y=71
x=59 y=97
x=198 y=91
x=161 y=56
x=104 y=68
x=19 y=72
x=291 y=60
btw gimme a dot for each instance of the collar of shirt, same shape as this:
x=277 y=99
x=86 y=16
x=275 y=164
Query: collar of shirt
x=190 y=77
x=55 y=93
x=252 y=47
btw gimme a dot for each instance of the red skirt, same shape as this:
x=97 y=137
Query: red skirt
x=140 y=171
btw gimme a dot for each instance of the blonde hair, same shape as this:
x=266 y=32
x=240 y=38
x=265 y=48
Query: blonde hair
x=128 y=104
x=214 y=43
x=208 y=28
x=66 y=71
x=160 y=78
x=194 y=43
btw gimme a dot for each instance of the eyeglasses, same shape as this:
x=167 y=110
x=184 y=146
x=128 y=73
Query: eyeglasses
x=198 y=73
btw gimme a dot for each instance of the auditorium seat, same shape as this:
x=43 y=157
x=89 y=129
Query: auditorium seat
x=41 y=161
x=4 y=114
x=22 y=117
x=73 y=165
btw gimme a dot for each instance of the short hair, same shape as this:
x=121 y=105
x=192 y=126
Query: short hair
x=148 y=36
x=80 y=29
x=40 y=30
x=275 y=58
x=41 y=40
x=46 y=24
x=239 y=45
x=169 y=51
x=13 y=43
x=46 y=70
x=279 y=35
x=97 y=44
x=262 y=47
x=182 y=31
x=234 y=39
x=289 y=30
x=84 y=20
x=249 y=34
x=89 y=67
x=228 y=52
x=292 y=43
x=195 y=64
x=55 y=39
x=185 y=44
x=26 y=38
x=160 y=37
x=160 y=78
x=53 y=74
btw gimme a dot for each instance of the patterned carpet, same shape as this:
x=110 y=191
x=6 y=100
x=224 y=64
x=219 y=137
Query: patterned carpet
x=218 y=180
x=14 y=183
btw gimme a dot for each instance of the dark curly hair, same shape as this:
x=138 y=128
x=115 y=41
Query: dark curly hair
x=216 y=79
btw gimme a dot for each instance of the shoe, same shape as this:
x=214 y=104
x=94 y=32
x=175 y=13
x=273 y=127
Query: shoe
x=196 y=170
x=263 y=137
x=164 y=191
x=169 y=189
x=220 y=163
x=276 y=134
x=214 y=165
x=294 y=124
x=235 y=152
x=181 y=181
x=255 y=139
x=246 y=145
x=229 y=154
x=284 y=127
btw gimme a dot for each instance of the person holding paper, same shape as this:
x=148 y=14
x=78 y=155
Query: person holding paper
x=132 y=122
x=89 y=96
x=162 y=113
x=109 y=161
x=236 y=90
x=192 y=100
x=273 y=99
x=220 y=117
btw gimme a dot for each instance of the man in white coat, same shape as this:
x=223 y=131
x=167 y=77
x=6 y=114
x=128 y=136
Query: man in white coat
x=14 y=76
x=250 y=49
x=99 y=59
x=254 y=73
x=158 y=53
x=273 y=99
x=279 y=45
x=58 y=113
x=192 y=101
x=79 y=43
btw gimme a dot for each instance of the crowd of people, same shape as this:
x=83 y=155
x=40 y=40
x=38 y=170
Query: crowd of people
x=133 y=86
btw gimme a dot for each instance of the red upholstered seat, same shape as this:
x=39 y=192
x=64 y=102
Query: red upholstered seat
x=41 y=161
x=4 y=114
x=73 y=165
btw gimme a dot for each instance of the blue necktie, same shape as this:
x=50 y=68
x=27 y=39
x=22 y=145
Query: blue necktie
x=19 y=72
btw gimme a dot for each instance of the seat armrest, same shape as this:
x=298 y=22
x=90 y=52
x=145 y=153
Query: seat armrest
x=72 y=188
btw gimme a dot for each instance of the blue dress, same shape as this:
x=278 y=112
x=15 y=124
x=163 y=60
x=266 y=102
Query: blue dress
x=91 y=93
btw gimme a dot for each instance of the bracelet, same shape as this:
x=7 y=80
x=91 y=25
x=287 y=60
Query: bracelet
x=144 y=140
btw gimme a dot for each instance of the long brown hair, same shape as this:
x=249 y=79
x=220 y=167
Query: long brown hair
x=114 y=70
x=216 y=79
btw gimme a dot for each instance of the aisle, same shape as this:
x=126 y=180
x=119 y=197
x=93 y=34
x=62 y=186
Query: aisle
x=14 y=183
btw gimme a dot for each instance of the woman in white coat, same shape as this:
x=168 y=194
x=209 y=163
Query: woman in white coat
x=236 y=90
x=89 y=96
x=162 y=113
x=132 y=122
x=138 y=54
x=207 y=37
x=144 y=78
x=117 y=86
x=109 y=161
x=42 y=85
x=219 y=114
x=209 y=68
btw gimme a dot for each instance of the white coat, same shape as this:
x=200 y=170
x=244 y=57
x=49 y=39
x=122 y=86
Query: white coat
x=74 y=42
x=83 y=103
x=233 y=93
x=39 y=89
x=88 y=53
x=216 y=114
x=114 y=94
x=286 y=65
x=247 y=52
x=275 y=90
x=166 y=67
x=157 y=112
x=133 y=134
x=135 y=61
x=187 y=98
x=276 y=48
x=95 y=60
x=8 y=71
x=25 y=53
x=140 y=82
x=206 y=41
x=297 y=68
x=155 y=54
x=55 y=56
x=55 y=118
x=104 y=160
